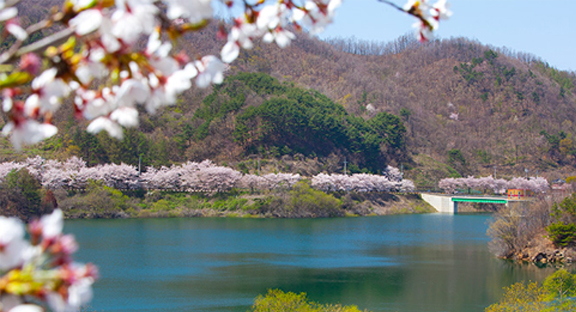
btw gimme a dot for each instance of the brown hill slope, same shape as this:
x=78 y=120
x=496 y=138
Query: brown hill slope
x=509 y=110
x=463 y=103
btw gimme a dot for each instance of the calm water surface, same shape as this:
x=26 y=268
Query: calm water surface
x=392 y=263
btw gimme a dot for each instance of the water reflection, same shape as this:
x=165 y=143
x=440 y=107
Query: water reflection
x=394 y=263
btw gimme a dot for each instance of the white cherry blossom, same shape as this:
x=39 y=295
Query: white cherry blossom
x=158 y=54
x=133 y=18
x=87 y=21
x=79 y=294
x=241 y=35
x=315 y=18
x=92 y=104
x=194 y=10
x=12 y=243
x=230 y=51
x=282 y=37
x=270 y=16
x=48 y=93
x=8 y=13
x=103 y=123
x=27 y=308
x=28 y=131
x=14 y=28
x=132 y=91
x=211 y=70
x=52 y=224
x=441 y=10
x=108 y=39
x=125 y=116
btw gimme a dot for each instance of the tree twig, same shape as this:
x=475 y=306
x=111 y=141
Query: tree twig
x=16 y=50
x=53 y=39
x=392 y=4
x=409 y=12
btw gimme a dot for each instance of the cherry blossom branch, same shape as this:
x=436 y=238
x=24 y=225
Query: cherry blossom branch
x=412 y=11
x=52 y=40
x=392 y=4
x=15 y=50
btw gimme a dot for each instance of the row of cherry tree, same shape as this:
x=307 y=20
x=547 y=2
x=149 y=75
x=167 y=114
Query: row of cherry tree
x=499 y=186
x=205 y=176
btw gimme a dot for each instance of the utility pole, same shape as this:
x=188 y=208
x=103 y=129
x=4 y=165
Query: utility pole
x=526 y=170
x=139 y=164
x=345 y=162
x=494 y=172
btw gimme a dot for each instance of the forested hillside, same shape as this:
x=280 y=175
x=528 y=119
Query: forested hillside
x=462 y=108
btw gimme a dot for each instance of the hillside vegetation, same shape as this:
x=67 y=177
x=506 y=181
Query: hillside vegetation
x=455 y=102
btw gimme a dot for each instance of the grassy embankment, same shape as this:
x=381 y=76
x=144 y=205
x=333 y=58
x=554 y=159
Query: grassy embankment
x=99 y=201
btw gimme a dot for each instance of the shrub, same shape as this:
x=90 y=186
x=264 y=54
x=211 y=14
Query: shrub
x=231 y=204
x=303 y=197
x=20 y=195
x=521 y=297
x=98 y=200
x=566 y=209
x=279 y=301
x=514 y=226
x=562 y=234
x=161 y=205
x=555 y=294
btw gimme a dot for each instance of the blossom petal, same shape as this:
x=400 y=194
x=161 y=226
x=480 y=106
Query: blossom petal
x=86 y=22
x=230 y=51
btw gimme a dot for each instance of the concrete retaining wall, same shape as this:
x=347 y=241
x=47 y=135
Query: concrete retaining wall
x=443 y=204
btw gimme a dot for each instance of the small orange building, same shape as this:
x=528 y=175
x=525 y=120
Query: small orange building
x=519 y=194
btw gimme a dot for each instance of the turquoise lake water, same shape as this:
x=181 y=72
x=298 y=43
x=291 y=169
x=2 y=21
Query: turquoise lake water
x=391 y=263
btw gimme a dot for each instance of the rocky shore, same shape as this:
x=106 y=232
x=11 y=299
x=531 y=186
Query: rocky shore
x=542 y=250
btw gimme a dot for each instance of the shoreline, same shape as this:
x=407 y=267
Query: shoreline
x=541 y=250
x=231 y=205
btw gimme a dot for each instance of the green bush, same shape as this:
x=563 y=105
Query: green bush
x=279 y=301
x=304 y=198
x=20 y=195
x=157 y=201
x=161 y=205
x=229 y=204
x=566 y=209
x=98 y=200
x=562 y=234
x=300 y=202
x=554 y=295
